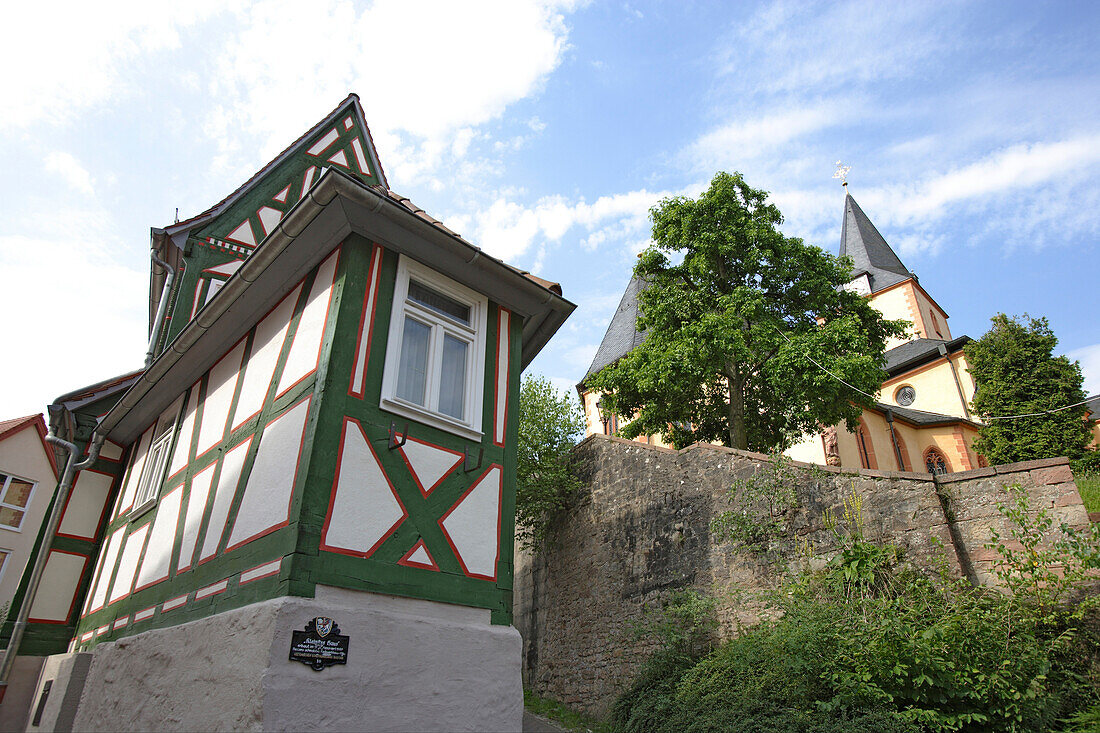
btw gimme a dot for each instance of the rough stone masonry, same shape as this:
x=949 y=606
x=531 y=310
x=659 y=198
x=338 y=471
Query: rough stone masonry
x=640 y=527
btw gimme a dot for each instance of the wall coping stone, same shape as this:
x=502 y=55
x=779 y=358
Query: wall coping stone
x=945 y=478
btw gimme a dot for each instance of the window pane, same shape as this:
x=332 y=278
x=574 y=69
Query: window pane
x=438 y=302
x=412 y=372
x=452 y=383
x=18 y=493
x=10 y=517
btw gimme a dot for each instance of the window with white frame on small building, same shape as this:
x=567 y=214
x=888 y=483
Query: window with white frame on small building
x=152 y=474
x=435 y=359
x=15 y=496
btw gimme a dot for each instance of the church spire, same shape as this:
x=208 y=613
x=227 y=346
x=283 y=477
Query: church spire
x=871 y=255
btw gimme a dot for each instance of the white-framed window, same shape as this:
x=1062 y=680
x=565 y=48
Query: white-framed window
x=15 y=497
x=148 y=488
x=435 y=358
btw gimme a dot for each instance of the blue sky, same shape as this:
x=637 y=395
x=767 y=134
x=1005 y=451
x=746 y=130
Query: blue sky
x=543 y=132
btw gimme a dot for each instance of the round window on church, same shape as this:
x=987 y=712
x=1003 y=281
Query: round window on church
x=905 y=395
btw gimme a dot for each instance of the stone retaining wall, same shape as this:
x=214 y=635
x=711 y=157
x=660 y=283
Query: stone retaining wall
x=641 y=528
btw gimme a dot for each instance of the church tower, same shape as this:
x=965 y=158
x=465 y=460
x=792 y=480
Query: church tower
x=878 y=272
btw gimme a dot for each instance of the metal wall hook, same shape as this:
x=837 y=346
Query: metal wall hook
x=466 y=459
x=392 y=443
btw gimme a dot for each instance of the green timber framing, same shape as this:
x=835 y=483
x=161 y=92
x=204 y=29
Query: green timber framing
x=364 y=216
x=207 y=238
x=44 y=638
x=304 y=565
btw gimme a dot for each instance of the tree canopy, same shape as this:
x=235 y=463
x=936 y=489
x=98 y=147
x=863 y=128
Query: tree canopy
x=549 y=425
x=1016 y=373
x=731 y=307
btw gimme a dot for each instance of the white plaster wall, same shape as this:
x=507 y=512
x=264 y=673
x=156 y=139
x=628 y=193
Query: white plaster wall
x=413 y=665
x=22 y=454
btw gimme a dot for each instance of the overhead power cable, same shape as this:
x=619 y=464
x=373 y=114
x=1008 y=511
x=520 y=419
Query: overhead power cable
x=873 y=397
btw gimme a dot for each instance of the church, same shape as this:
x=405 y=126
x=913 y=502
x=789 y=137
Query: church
x=921 y=419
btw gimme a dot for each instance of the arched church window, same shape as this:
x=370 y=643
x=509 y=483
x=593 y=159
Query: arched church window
x=866 y=447
x=935 y=323
x=935 y=462
x=905 y=395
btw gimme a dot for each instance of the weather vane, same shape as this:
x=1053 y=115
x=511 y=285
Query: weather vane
x=842 y=173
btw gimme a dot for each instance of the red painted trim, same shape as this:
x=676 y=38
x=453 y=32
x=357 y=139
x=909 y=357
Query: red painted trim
x=500 y=501
x=324 y=325
x=255 y=330
x=120 y=623
x=148 y=526
x=506 y=341
x=196 y=549
x=72 y=604
x=293 y=481
x=416 y=479
x=19 y=424
x=167 y=572
x=130 y=471
x=104 y=569
x=413 y=564
x=246 y=444
x=139 y=620
x=328 y=147
x=102 y=513
x=284 y=192
x=192 y=395
x=276 y=571
x=164 y=606
x=200 y=594
x=370 y=297
x=336 y=485
x=229 y=412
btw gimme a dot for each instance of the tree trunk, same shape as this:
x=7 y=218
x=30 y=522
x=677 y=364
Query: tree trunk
x=738 y=436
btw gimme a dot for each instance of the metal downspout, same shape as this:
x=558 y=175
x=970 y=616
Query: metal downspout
x=161 y=306
x=71 y=467
x=894 y=439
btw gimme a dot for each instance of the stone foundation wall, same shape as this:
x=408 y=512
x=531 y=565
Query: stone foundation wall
x=641 y=528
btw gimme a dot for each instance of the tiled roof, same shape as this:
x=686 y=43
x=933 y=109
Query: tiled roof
x=622 y=333
x=351 y=99
x=920 y=417
x=405 y=202
x=1093 y=405
x=7 y=427
x=915 y=352
x=860 y=240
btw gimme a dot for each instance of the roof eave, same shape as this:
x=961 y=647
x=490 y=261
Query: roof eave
x=334 y=208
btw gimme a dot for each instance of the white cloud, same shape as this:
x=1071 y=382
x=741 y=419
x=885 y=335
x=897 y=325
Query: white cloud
x=507 y=229
x=732 y=144
x=1089 y=357
x=71 y=171
x=427 y=72
x=63 y=56
x=93 y=308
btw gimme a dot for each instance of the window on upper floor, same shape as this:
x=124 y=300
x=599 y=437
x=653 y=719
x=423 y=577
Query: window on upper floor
x=148 y=489
x=15 y=497
x=435 y=358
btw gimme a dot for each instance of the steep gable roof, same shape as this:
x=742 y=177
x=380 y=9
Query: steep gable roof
x=860 y=240
x=17 y=425
x=919 y=351
x=622 y=334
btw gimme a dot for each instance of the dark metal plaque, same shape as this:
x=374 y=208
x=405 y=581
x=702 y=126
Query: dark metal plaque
x=320 y=645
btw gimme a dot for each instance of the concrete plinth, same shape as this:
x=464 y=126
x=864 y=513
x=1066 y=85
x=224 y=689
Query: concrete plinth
x=412 y=665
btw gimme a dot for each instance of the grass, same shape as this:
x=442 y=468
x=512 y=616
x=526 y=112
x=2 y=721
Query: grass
x=1089 y=486
x=561 y=714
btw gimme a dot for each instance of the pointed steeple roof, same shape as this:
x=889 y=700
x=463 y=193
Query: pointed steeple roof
x=622 y=333
x=860 y=240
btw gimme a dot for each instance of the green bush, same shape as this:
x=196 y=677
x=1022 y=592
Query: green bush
x=872 y=644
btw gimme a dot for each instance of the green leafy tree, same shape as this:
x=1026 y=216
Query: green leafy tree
x=550 y=424
x=731 y=308
x=1017 y=373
